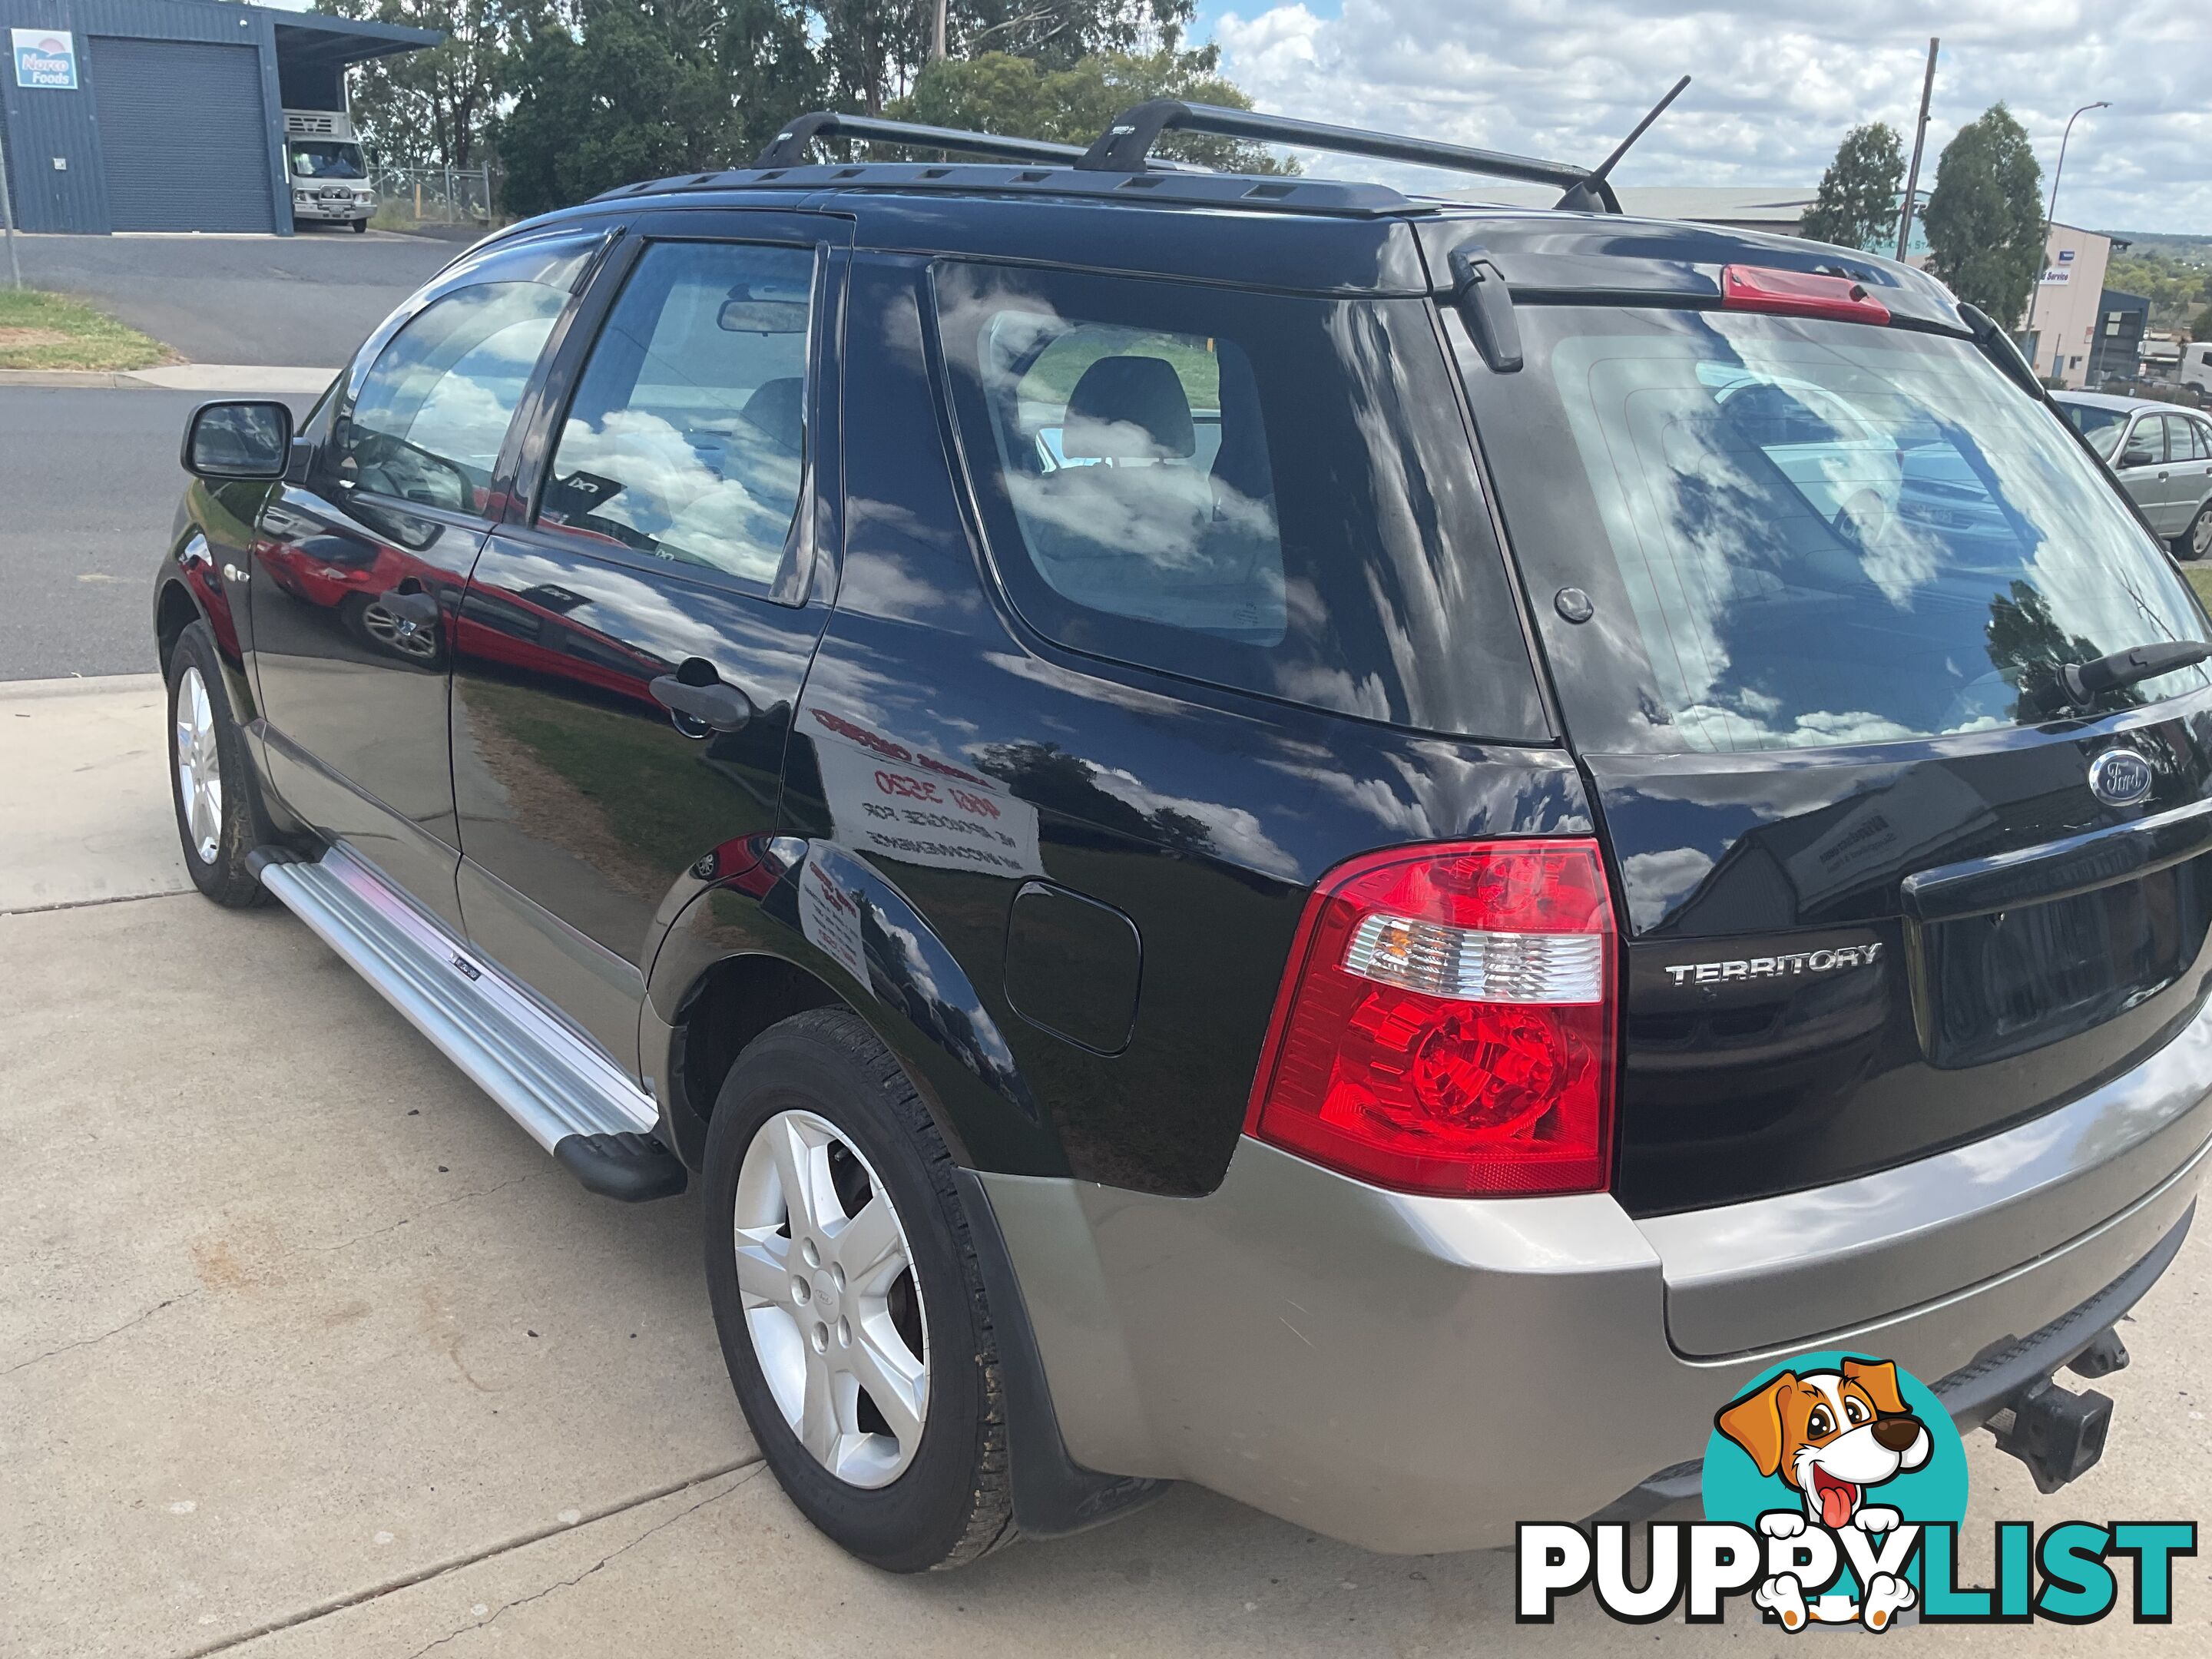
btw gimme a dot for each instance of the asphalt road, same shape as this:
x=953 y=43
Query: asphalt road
x=301 y=301
x=89 y=485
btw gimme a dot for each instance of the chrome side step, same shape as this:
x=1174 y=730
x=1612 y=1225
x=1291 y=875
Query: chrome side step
x=553 y=1081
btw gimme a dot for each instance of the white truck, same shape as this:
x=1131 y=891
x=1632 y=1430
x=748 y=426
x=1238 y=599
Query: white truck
x=329 y=174
x=2196 y=368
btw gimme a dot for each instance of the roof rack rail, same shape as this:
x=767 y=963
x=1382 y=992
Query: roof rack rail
x=1126 y=146
x=788 y=148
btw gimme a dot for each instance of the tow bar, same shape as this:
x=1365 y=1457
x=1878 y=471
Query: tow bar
x=2057 y=1433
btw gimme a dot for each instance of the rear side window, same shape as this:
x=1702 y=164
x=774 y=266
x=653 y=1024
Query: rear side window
x=1270 y=493
x=1799 y=533
x=686 y=440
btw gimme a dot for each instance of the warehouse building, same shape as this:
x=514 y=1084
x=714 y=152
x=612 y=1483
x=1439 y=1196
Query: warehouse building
x=167 y=114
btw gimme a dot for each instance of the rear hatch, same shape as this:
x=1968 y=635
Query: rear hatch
x=1806 y=586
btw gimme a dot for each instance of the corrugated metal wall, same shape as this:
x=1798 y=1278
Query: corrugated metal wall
x=41 y=126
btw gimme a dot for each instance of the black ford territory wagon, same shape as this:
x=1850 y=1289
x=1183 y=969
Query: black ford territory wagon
x=1246 y=830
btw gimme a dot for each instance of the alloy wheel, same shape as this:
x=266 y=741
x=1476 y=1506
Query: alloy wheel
x=2200 y=536
x=830 y=1300
x=199 y=766
x=398 y=634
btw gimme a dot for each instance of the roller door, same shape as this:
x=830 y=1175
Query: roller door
x=184 y=138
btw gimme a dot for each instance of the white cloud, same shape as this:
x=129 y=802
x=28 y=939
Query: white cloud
x=1776 y=87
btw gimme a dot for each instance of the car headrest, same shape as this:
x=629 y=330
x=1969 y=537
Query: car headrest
x=1128 y=409
x=777 y=410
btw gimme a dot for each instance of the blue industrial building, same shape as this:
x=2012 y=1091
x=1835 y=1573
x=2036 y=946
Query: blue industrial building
x=167 y=114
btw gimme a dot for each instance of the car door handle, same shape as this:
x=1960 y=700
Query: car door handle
x=421 y=609
x=719 y=706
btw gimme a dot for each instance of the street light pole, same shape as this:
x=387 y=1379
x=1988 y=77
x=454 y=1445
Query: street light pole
x=1919 y=140
x=2050 y=216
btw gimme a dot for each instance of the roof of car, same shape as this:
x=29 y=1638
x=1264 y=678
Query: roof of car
x=2109 y=400
x=1304 y=233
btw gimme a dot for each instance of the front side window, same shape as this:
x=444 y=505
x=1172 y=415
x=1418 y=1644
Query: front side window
x=1802 y=533
x=1270 y=493
x=686 y=440
x=432 y=414
x=2146 y=444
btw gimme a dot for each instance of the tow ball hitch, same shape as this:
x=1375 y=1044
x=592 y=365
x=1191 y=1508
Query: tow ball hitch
x=2057 y=1433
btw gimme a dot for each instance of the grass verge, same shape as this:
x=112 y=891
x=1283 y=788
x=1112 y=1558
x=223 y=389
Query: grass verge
x=2200 y=578
x=55 y=331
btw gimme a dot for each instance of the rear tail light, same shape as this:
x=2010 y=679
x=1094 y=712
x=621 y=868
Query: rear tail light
x=1799 y=293
x=1446 y=1023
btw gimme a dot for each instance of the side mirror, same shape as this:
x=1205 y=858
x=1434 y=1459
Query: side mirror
x=237 y=440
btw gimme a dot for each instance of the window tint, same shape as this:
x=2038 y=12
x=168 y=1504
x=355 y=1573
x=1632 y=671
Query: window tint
x=1270 y=493
x=1798 y=533
x=687 y=437
x=2145 y=445
x=433 y=410
x=1118 y=495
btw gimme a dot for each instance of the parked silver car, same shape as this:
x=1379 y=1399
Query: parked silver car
x=2163 y=458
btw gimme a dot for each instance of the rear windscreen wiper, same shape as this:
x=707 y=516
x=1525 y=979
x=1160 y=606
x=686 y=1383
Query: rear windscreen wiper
x=2085 y=682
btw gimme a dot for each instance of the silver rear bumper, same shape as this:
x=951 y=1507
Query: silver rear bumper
x=1418 y=1374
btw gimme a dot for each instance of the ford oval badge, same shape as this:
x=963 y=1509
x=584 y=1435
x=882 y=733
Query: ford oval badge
x=2119 y=777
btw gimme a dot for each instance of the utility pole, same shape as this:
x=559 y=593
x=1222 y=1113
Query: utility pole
x=1919 y=142
x=937 y=30
x=7 y=213
x=2049 y=214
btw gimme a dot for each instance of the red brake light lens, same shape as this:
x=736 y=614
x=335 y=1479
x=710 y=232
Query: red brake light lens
x=1799 y=293
x=1446 y=1023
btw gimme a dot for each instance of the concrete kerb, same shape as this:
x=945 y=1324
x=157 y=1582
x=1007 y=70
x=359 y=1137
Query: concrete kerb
x=244 y=379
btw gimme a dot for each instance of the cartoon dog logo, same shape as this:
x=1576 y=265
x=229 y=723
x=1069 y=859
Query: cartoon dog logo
x=1831 y=1435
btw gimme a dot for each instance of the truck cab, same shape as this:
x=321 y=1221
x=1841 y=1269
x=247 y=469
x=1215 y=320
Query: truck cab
x=2196 y=369
x=329 y=173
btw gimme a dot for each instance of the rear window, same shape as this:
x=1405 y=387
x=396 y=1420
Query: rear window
x=1266 y=492
x=1798 y=532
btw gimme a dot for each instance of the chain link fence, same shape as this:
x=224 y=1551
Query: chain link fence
x=434 y=195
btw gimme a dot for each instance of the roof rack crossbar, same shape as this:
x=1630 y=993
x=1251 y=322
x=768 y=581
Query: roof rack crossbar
x=1125 y=146
x=789 y=146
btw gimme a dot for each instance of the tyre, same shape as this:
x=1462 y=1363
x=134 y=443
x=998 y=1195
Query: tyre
x=845 y=1288
x=360 y=226
x=210 y=778
x=2194 y=543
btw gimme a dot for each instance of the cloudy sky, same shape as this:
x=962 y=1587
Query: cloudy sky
x=1775 y=86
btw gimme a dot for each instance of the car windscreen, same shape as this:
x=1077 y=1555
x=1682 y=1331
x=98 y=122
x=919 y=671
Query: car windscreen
x=319 y=158
x=1796 y=532
x=2100 y=426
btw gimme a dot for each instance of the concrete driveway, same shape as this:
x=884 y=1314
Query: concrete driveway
x=306 y=1350
x=298 y=301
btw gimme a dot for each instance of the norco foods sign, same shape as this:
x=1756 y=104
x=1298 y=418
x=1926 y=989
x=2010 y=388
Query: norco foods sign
x=45 y=57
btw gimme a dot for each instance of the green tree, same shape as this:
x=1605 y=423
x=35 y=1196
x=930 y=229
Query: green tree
x=1984 y=217
x=1023 y=97
x=2202 y=328
x=874 y=50
x=631 y=89
x=1857 y=203
x=433 y=108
